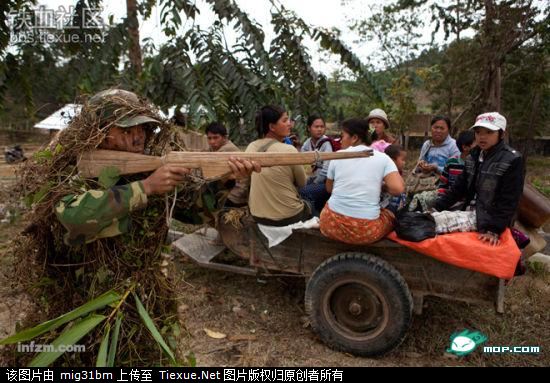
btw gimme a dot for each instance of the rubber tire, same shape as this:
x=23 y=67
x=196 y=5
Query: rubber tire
x=375 y=272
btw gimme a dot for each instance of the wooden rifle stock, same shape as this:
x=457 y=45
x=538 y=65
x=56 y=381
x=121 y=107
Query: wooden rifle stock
x=214 y=165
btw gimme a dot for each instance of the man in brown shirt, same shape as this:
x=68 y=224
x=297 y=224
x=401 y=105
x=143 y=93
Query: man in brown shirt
x=218 y=141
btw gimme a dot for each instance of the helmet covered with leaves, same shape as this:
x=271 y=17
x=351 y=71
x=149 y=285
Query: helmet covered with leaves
x=120 y=108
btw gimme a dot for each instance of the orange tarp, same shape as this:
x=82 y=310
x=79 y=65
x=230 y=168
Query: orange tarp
x=465 y=250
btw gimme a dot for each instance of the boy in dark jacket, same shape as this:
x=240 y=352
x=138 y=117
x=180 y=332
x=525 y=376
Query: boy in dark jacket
x=492 y=179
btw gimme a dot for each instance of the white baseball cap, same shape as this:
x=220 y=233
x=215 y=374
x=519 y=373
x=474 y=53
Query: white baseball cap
x=492 y=121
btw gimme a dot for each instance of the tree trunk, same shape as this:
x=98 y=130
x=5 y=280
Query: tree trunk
x=133 y=33
x=527 y=146
x=492 y=88
x=450 y=109
x=491 y=85
x=457 y=21
x=535 y=109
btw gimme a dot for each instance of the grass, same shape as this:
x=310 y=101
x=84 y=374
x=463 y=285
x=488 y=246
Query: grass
x=524 y=323
x=538 y=174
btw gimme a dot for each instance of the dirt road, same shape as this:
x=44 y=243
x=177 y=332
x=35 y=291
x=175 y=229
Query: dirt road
x=265 y=325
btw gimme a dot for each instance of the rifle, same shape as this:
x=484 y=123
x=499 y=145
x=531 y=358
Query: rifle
x=214 y=165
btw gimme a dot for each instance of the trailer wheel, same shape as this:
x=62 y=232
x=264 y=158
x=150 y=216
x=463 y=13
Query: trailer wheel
x=359 y=303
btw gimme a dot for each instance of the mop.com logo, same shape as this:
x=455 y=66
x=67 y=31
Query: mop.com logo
x=465 y=342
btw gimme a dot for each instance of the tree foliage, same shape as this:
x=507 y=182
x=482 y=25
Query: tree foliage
x=474 y=71
x=198 y=68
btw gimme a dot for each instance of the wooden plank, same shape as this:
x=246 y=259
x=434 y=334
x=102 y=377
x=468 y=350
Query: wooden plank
x=500 y=296
x=214 y=165
x=201 y=246
x=305 y=250
x=418 y=303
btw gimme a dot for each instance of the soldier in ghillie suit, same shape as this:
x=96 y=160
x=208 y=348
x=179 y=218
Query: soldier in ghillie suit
x=93 y=235
x=105 y=213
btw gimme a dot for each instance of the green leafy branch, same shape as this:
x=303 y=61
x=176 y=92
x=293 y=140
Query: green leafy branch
x=82 y=321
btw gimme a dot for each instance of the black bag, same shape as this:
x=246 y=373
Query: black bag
x=414 y=226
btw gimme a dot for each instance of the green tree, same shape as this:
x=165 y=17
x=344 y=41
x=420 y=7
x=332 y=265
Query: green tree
x=197 y=67
x=403 y=107
x=470 y=77
x=397 y=27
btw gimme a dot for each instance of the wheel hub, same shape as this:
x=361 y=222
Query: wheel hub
x=356 y=308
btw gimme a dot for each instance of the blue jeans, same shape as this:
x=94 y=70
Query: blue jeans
x=317 y=195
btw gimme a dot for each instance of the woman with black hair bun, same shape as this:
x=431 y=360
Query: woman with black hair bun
x=353 y=214
x=274 y=198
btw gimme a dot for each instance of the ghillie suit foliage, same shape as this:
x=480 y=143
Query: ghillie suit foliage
x=62 y=277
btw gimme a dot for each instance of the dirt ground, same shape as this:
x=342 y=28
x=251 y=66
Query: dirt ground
x=15 y=305
x=265 y=323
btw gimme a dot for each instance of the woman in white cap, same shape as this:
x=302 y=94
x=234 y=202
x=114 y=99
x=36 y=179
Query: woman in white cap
x=492 y=179
x=378 y=124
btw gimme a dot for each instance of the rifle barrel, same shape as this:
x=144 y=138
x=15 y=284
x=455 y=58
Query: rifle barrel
x=213 y=164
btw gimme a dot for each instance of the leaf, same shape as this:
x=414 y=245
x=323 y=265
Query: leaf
x=67 y=338
x=153 y=329
x=58 y=149
x=102 y=354
x=176 y=329
x=102 y=274
x=176 y=17
x=114 y=342
x=108 y=177
x=191 y=360
x=27 y=200
x=40 y=194
x=79 y=273
x=45 y=155
x=214 y=334
x=172 y=341
x=95 y=304
x=209 y=201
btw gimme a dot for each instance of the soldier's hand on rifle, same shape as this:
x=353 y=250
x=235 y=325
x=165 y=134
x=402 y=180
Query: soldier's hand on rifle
x=243 y=168
x=164 y=179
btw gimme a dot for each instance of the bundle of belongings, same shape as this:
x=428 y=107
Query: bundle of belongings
x=415 y=226
x=460 y=246
x=465 y=250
